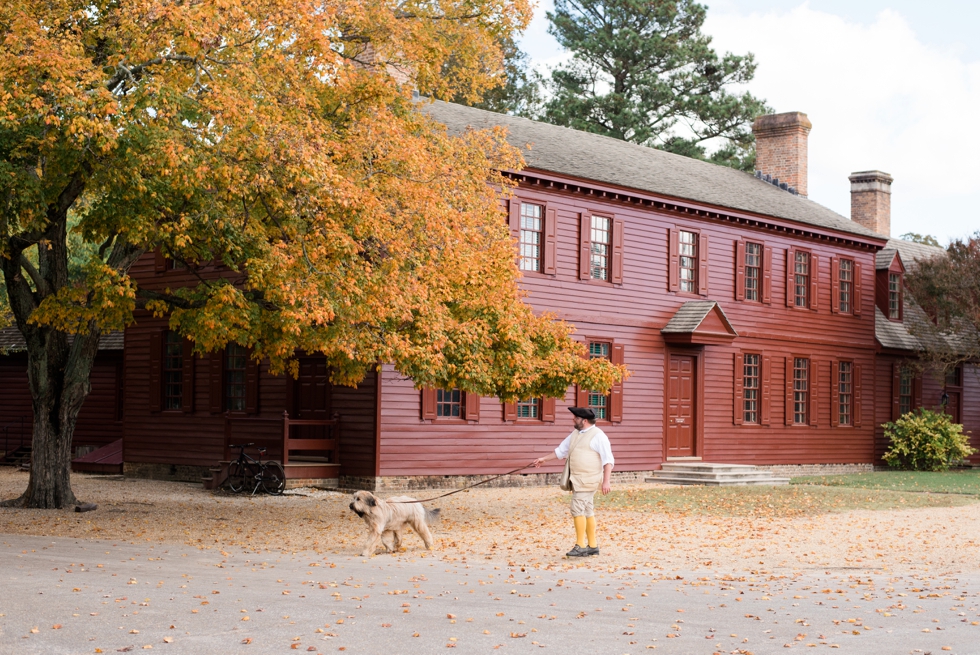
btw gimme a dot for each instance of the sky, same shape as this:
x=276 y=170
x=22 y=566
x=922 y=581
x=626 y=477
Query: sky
x=888 y=85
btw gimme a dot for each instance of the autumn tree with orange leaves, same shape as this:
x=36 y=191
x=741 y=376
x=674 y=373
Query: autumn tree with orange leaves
x=278 y=138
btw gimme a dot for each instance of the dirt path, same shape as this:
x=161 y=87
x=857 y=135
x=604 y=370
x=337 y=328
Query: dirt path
x=520 y=527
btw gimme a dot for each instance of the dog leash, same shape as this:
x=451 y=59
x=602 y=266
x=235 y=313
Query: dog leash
x=464 y=488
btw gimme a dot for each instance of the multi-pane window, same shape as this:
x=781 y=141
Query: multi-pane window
x=844 y=392
x=449 y=404
x=531 y=236
x=845 y=273
x=894 y=296
x=905 y=392
x=236 y=358
x=599 y=402
x=753 y=270
x=801 y=390
x=801 y=279
x=750 y=388
x=529 y=409
x=688 y=261
x=173 y=371
x=601 y=250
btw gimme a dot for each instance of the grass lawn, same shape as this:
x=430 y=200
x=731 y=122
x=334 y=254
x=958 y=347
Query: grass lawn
x=950 y=482
x=776 y=502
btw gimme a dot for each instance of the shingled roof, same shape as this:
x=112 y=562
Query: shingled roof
x=11 y=340
x=604 y=159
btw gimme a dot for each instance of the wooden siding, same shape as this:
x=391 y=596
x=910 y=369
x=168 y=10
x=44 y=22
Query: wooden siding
x=99 y=422
x=632 y=313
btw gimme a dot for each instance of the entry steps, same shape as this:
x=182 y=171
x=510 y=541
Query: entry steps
x=714 y=474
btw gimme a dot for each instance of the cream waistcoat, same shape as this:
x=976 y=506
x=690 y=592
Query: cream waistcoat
x=584 y=464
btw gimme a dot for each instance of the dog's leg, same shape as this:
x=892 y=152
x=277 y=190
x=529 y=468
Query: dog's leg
x=423 y=531
x=391 y=544
x=397 y=541
x=372 y=545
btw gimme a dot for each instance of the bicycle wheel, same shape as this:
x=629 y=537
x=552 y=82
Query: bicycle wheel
x=236 y=476
x=273 y=478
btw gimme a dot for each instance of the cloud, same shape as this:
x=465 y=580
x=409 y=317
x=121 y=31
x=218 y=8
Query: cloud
x=878 y=98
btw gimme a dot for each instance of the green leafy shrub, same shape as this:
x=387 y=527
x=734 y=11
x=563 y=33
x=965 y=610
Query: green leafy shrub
x=924 y=440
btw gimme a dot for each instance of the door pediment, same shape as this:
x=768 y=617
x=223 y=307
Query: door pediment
x=699 y=322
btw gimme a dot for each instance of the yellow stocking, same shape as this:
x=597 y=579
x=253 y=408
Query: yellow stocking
x=580 y=530
x=590 y=530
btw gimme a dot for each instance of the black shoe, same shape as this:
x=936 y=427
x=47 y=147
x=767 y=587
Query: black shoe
x=578 y=551
x=592 y=550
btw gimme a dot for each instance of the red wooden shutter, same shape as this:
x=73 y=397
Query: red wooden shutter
x=674 y=260
x=510 y=411
x=616 y=393
x=790 y=276
x=789 y=391
x=428 y=398
x=515 y=217
x=703 y=264
x=216 y=399
x=767 y=275
x=471 y=407
x=550 y=241
x=585 y=245
x=617 y=252
x=581 y=396
x=738 y=404
x=835 y=393
x=159 y=261
x=547 y=410
x=835 y=285
x=814 y=390
x=857 y=397
x=814 y=283
x=766 y=416
x=187 y=378
x=896 y=390
x=740 y=270
x=856 y=302
x=156 y=366
x=251 y=385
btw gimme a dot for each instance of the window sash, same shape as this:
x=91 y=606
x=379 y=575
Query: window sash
x=894 y=299
x=844 y=393
x=688 y=261
x=753 y=270
x=449 y=404
x=173 y=371
x=599 y=402
x=750 y=388
x=801 y=390
x=600 y=252
x=531 y=237
x=845 y=281
x=801 y=279
x=529 y=409
x=236 y=360
x=905 y=392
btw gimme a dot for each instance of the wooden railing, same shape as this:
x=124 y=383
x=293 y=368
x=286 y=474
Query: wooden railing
x=281 y=443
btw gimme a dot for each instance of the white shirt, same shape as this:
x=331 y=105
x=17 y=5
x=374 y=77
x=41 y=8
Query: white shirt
x=599 y=443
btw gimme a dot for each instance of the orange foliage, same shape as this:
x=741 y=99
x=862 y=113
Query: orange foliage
x=279 y=138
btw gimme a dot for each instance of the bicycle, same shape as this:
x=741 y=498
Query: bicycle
x=246 y=471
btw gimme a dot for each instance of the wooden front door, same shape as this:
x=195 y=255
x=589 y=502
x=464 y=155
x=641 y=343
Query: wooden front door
x=681 y=406
x=953 y=406
x=311 y=397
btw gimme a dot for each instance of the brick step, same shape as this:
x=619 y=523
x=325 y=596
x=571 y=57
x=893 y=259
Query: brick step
x=707 y=467
x=720 y=483
x=721 y=477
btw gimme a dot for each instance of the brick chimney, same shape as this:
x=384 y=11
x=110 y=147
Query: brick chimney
x=780 y=147
x=871 y=201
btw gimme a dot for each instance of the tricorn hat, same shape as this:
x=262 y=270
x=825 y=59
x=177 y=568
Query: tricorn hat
x=583 y=412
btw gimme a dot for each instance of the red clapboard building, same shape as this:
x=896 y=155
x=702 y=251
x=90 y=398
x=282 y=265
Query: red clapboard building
x=756 y=324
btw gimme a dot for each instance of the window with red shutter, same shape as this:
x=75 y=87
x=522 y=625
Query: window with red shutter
x=550 y=242
x=673 y=260
x=428 y=404
x=155 y=370
x=617 y=252
x=738 y=411
x=585 y=246
x=766 y=411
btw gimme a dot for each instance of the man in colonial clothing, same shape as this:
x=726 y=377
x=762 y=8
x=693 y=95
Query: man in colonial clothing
x=590 y=464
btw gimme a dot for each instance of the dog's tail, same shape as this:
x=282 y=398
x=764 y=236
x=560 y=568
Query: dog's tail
x=433 y=515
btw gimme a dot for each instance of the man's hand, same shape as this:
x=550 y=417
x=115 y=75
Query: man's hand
x=539 y=461
x=606 y=488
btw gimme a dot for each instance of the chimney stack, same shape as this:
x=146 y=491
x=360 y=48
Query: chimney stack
x=780 y=147
x=871 y=201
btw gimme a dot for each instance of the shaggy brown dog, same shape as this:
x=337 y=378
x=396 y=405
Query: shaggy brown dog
x=386 y=517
